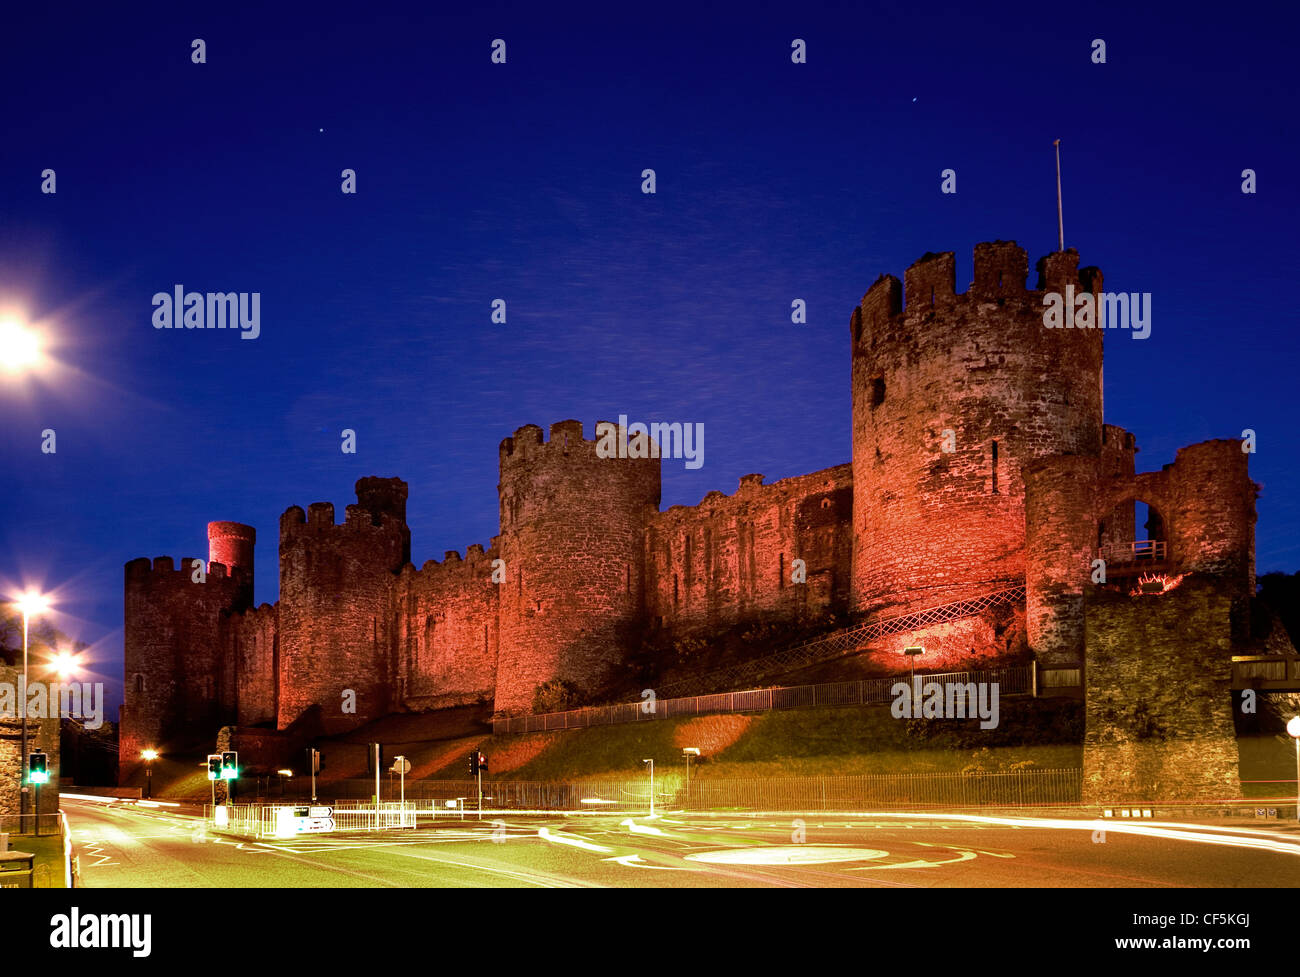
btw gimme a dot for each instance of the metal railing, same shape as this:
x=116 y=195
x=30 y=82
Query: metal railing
x=1011 y=680
x=1138 y=551
x=427 y=800
x=30 y=825
x=857 y=792
x=842 y=642
x=1268 y=672
x=264 y=820
x=1021 y=788
x=430 y=798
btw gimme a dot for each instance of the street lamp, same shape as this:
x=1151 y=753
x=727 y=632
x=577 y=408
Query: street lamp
x=911 y=652
x=1293 y=728
x=30 y=604
x=688 y=752
x=148 y=756
x=652 y=786
x=65 y=664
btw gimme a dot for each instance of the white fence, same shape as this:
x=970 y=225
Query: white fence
x=282 y=820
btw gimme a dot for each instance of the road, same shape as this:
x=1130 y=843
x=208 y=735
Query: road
x=122 y=845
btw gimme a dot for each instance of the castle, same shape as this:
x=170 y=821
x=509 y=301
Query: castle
x=980 y=461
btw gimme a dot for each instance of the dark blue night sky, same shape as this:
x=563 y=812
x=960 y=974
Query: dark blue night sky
x=522 y=181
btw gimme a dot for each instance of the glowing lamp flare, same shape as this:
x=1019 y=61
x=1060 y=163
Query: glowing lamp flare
x=32 y=604
x=1293 y=727
x=65 y=663
x=20 y=347
x=1156 y=583
x=149 y=755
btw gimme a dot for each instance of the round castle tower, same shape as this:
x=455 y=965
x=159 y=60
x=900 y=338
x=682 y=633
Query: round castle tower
x=952 y=394
x=572 y=538
x=231 y=544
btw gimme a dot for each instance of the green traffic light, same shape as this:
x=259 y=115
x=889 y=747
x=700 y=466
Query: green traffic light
x=38 y=777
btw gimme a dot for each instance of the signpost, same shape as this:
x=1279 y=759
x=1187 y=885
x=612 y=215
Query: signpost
x=403 y=767
x=313 y=763
x=378 y=748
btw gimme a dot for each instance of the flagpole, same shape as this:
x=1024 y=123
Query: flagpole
x=1060 y=219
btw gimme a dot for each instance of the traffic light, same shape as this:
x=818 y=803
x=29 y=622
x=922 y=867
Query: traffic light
x=37 y=771
x=473 y=764
x=482 y=762
x=230 y=765
x=316 y=761
x=370 y=758
x=214 y=767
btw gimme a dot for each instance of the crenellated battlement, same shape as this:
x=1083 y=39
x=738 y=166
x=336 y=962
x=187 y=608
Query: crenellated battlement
x=167 y=571
x=477 y=560
x=381 y=508
x=567 y=440
x=752 y=488
x=1000 y=275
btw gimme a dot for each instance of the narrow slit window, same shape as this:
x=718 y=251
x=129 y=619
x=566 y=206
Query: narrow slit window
x=995 y=468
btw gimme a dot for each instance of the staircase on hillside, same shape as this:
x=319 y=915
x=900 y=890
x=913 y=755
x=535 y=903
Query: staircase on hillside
x=837 y=643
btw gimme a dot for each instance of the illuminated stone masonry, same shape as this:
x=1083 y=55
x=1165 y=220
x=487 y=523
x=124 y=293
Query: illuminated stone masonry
x=980 y=461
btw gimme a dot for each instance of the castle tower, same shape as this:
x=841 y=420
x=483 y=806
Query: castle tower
x=176 y=680
x=231 y=545
x=1060 y=545
x=572 y=537
x=335 y=625
x=952 y=395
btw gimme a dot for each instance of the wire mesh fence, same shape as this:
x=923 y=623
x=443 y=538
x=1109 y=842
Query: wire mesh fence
x=1022 y=788
x=842 y=642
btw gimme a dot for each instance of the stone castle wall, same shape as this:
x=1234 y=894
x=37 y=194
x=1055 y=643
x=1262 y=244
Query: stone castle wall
x=585 y=562
x=1158 y=704
x=42 y=736
x=448 y=635
x=731 y=558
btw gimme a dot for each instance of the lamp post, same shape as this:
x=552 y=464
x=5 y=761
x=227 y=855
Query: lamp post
x=29 y=604
x=652 y=786
x=1293 y=728
x=148 y=756
x=688 y=752
x=911 y=652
